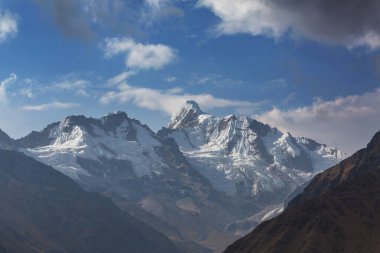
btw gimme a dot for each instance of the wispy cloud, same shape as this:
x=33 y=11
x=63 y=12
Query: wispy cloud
x=80 y=87
x=49 y=106
x=349 y=23
x=275 y=84
x=140 y=56
x=27 y=92
x=348 y=122
x=217 y=80
x=3 y=87
x=8 y=25
x=72 y=84
x=120 y=78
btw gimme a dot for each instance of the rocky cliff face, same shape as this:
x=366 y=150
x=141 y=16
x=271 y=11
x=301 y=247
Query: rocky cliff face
x=339 y=211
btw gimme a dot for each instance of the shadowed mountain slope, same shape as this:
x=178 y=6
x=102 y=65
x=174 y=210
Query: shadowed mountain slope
x=42 y=210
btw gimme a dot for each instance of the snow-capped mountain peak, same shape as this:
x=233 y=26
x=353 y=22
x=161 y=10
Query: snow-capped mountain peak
x=187 y=116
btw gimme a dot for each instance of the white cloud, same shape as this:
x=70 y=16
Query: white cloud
x=347 y=122
x=348 y=23
x=3 y=87
x=49 y=106
x=245 y=16
x=168 y=101
x=8 y=26
x=140 y=56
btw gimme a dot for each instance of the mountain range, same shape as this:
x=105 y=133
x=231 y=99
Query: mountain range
x=203 y=180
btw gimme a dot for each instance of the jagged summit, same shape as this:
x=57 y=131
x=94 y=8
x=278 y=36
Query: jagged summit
x=187 y=116
x=117 y=123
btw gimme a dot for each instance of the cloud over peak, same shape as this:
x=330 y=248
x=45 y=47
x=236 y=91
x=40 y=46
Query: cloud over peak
x=168 y=101
x=351 y=23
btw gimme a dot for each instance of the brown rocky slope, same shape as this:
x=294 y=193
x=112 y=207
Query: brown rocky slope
x=338 y=212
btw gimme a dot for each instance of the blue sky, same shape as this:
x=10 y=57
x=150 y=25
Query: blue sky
x=311 y=77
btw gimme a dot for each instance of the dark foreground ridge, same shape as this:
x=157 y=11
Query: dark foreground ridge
x=338 y=212
x=42 y=210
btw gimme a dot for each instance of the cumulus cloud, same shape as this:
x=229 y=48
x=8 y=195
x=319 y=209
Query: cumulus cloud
x=351 y=23
x=49 y=106
x=140 y=56
x=168 y=101
x=346 y=122
x=3 y=87
x=8 y=25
